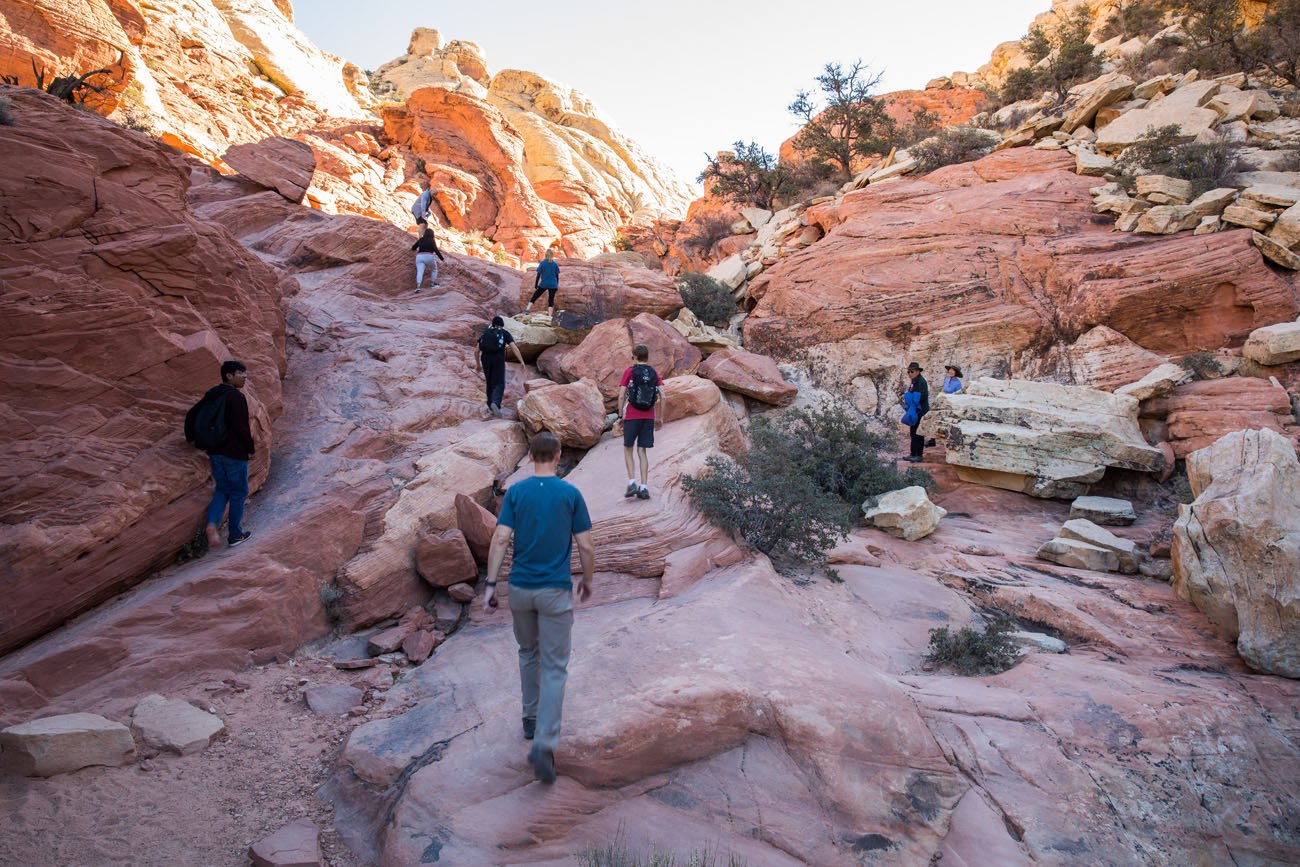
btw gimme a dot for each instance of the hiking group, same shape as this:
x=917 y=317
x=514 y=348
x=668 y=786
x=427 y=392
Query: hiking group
x=542 y=516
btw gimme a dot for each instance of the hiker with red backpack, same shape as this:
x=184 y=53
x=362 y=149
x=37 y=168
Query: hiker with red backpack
x=491 y=358
x=641 y=412
x=218 y=424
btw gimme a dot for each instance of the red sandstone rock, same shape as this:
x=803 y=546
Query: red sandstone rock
x=607 y=351
x=551 y=362
x=689 y=395
x=281 y=164
x=477 y=524
x=389 y=640
x=107 y=352
x=607 y=290
x=461 y=593
x=444 y=559
x=1199 y=413
x=749 y=374
x=575 y=413
x=419 y=645
x=930 y=269
x=295 y=845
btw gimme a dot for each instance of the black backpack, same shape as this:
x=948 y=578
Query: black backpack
x=205 y=423
x=643 y=389
x=492 y=341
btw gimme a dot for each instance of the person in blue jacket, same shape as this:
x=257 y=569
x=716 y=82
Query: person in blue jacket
x=916 y=403
x=547 y=280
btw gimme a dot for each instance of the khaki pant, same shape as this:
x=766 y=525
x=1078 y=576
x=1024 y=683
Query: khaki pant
x=543 y=620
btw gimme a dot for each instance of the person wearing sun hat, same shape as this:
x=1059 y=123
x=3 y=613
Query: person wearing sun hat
x=952 y=383
x=916 y=400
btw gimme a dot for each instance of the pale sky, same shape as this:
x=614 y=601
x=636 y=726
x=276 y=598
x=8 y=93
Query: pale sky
x=686 y=77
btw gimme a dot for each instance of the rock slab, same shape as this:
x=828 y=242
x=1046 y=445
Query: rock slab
x=332 y=699
x=1103 y=510
x=60 y=744
x=1236 y=548
x=174 y=725
x=295 y=845
x=906 y=513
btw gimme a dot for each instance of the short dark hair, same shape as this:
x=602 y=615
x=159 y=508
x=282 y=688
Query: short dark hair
x=544 y=447
x=641 y=352
x=232 y=366
x=498 y=322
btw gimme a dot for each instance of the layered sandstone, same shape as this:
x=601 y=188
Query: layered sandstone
x=584 y=178
x=120 y=307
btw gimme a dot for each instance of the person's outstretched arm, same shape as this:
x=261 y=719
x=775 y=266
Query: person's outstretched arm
x=496 y=555
x=519 y=356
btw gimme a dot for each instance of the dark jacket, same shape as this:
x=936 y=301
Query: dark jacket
x=239 y=436
x=426 y=243
x=920 y=385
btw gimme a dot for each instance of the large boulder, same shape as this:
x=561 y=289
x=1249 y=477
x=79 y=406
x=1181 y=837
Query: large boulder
x=607 y=351
x=1236 y=548
x=598 y=291
x=689 y=395
x=59 y=744
x=1183 y=108
x=906 y=513
x=280 y=164
x=1274 y=344
x=1040 y=438
x=750 y=374
x=121 y=307
x=444 y=558
x=575 y=413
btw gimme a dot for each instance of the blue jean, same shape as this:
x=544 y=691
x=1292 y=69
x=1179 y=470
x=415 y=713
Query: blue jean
x=231 y=478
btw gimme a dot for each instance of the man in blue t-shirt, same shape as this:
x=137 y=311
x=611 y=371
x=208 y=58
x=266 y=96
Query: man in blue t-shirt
x=544 y=515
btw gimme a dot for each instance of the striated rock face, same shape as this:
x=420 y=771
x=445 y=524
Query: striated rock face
x=1039 y=438
x=987 y=264
x=200 y=75
x=586 y=178
x=119 y=308
x=1236 y=548
x=1196 y=414
x=603 y=290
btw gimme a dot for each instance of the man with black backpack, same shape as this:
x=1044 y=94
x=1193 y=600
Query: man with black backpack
x=491 y=357
x=641 y=409
x=218 y=424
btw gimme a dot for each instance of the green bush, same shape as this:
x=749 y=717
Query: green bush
x=622 y=244
x=970 y=651
x=955 y=144
x=1021 y=84
x=1203 y=364
x=704 y=234
x=1134 y=18
x=710 y=300
x=800 y=487
x=1159 y=151
x=617 y=854
x=196 y=547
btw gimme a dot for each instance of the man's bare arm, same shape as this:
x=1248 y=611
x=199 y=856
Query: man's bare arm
x=587 y=555
x=496 y=555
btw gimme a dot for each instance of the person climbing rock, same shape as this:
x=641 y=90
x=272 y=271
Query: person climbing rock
x=421 y=206
x=218 y=424
x=427 y=255
x=491 y=359
x=544 y=515
x=641 y=412
x=547 y=280
x=916 y=403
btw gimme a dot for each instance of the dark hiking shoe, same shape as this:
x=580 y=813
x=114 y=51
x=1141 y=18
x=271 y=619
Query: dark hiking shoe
x=240 y=539
x=643 y=493
x=632 y=490
x=543 y=762
x=530 y=728
x=912 y=459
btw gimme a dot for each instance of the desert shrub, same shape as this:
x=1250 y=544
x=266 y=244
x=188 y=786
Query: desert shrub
x=709 y=299
x=1206 y=165
x=196 y=547
x=331 y=596
x=1060 y=56
x=972 y=651
x=850 y=125
x=955 y=144
x=6 y=119
x=799 y=488
x=1133 y=18
x=618 y=854
x=705 y=233
x=832 y=445
x=622 y=244
x=1203 y=364
x=1021 y=84
x=810 y=180
x=747 y=175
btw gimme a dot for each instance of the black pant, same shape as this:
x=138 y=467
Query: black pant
x=550 y=296
x=918 y=441
x=494 y=372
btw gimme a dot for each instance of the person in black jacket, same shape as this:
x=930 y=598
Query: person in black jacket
x=491 y=361
x=229 y=461
x=427 y=255
x=918 y=385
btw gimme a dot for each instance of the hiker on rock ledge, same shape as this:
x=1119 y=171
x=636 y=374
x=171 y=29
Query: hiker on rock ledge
x=547 y=281
x=641 y=412
x=491 y=361
x=544 y=515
